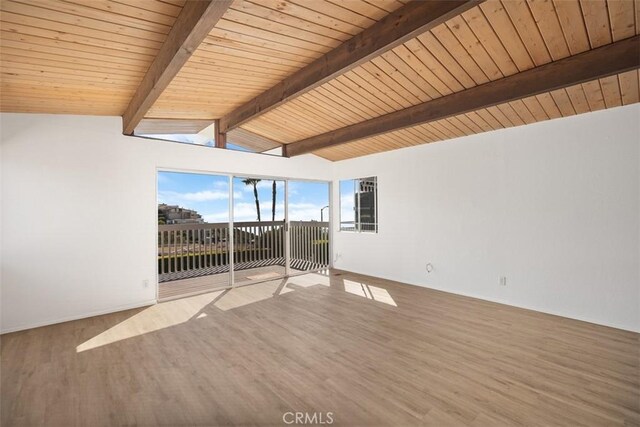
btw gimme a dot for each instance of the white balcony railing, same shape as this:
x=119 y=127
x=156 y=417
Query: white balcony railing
x=192 y=250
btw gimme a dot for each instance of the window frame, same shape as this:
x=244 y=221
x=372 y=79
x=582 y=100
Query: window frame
x=356 y=191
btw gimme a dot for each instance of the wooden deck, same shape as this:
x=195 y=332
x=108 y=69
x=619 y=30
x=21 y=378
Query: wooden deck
x=180 y=288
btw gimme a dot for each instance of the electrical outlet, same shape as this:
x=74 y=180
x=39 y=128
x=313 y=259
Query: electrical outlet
x=145 y=283
x=503 y=281
x=429 y=267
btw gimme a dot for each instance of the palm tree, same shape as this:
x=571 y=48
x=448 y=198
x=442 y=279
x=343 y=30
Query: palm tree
x=254 y=183
x=273 y=202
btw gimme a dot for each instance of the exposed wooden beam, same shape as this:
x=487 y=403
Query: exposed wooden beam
x=604 y=61
x=396 y=28
x=192 y=25
x=220 y=137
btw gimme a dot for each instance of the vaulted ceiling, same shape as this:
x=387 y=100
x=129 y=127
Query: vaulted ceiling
x=91 y=56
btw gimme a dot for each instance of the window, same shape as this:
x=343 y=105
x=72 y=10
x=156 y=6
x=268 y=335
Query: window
x=359 y=205
x=205 y=137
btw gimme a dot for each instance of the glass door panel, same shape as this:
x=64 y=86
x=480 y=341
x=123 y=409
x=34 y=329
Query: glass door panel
x=193 y=233
x=308 y=211
x=258 y=230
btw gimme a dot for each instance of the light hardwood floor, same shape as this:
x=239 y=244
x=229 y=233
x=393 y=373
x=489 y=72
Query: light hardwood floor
x=371 y=351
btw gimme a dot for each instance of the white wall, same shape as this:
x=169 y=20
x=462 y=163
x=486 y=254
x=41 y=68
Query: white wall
x=552 y=206
x=79 y=212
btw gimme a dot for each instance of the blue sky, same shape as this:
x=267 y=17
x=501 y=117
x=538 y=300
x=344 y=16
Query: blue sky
x=209 y=196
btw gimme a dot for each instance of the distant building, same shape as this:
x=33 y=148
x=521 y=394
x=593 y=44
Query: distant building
x=174 y=214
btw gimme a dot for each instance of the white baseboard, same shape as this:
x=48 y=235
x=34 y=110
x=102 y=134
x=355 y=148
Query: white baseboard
x=78 y=316
x=504 y=302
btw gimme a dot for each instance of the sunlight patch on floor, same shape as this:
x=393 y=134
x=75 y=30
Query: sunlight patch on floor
x=245 y=295
x=310 y=279
x=152 y=319
x=175 y=312
x=369 y=291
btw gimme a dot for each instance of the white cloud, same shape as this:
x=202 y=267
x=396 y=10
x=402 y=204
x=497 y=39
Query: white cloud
x=204 y=196
x=216 y=217
x=174 y=197
x=347 y=201
x=347 y=206
x=210 y=202
x=306 y=212
x=269 y=183
x=246 y=212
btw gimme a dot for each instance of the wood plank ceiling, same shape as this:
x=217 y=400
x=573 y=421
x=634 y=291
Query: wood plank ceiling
x=256 y=45
x=78 y=57
x=491 y=41
x=88 y=57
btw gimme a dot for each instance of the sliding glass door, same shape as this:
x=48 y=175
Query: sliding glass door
x=217 y=231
